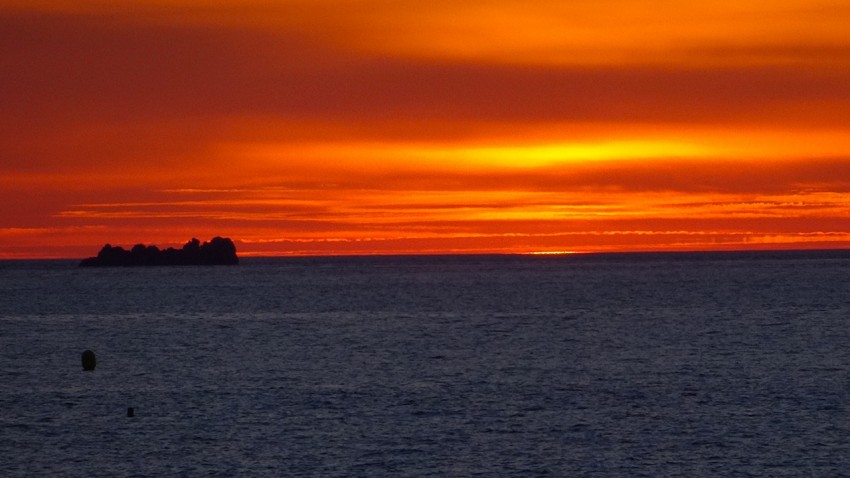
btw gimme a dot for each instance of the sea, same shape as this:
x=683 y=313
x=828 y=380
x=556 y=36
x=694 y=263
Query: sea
x=603 y=365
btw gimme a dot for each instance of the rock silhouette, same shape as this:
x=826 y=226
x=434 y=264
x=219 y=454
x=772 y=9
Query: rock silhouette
x=218 y=251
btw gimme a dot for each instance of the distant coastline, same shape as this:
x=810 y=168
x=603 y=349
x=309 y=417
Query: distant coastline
x=218 y=251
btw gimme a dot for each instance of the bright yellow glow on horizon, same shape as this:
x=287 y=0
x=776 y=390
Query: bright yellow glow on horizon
x=552 y=253
x=718 y=145
x=460 y=156
x=534 y=156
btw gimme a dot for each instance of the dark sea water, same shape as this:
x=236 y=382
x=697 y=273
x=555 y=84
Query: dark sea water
x=696 y=365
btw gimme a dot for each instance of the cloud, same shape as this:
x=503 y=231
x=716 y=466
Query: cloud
x=445 y=126
x=81 y=68
x=505 y=31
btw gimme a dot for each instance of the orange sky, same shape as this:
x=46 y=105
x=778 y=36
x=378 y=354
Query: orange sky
x=380 y=126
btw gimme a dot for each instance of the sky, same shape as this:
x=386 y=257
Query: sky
x=314 y=127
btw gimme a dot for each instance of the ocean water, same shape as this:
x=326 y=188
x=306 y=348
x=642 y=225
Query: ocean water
x=650 y=365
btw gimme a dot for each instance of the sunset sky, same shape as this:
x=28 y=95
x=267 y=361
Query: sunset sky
x=386 y=127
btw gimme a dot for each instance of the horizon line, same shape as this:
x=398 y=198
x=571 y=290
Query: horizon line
x=540 y=254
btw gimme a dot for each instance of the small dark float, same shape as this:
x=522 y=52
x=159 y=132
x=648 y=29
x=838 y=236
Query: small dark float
x=89 y=361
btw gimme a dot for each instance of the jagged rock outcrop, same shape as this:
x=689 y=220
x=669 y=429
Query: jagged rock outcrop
x=218 y=251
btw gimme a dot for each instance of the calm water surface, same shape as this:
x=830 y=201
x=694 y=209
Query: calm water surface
x=631 y=365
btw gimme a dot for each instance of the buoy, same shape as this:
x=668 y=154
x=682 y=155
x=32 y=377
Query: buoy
x=131 y=412
x=89 y=361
